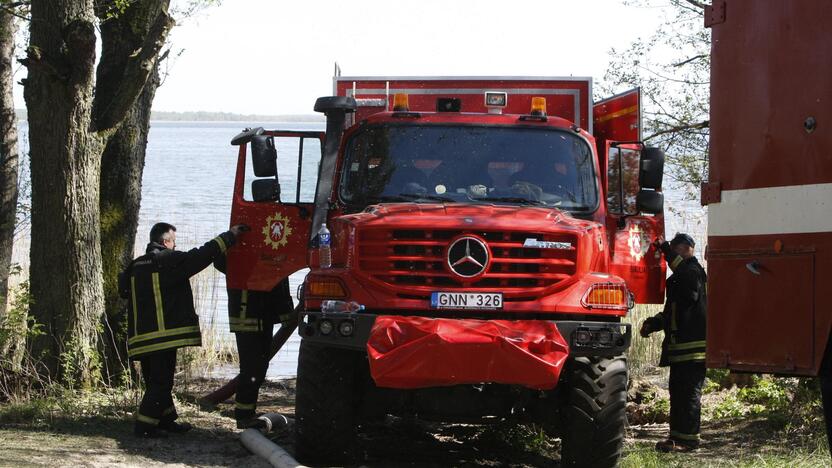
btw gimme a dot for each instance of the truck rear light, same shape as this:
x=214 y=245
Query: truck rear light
x=324 y=288
x=607 y=296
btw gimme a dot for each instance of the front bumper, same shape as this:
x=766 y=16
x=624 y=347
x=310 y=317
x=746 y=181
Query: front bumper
x=585 y=338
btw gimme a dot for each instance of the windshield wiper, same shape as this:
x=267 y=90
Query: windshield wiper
x=411 y=197
x=521 y=200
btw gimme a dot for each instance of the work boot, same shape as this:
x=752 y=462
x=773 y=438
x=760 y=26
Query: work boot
x=251 y=423
x=675 y=446
x=176 y=428
x=149 y=433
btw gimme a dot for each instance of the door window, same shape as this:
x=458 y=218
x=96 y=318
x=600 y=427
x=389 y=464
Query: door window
x=298 y=159
x=622 y=180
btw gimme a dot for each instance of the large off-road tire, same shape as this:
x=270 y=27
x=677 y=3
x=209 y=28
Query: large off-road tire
x=325 y=404
x=594 y=411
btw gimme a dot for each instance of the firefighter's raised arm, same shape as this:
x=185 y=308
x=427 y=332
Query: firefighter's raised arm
x=196 y=260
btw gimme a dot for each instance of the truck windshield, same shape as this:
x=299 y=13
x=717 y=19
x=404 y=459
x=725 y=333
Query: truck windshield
x=469 y=164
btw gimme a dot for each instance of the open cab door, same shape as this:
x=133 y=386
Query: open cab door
x=274 y=194
x=632 y=174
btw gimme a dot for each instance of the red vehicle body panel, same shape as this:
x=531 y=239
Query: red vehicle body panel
x=418 y=352
x=770 y=219
x=569 y=98
x=410 y=345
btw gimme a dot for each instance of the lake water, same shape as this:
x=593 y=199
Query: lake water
x=188 y=181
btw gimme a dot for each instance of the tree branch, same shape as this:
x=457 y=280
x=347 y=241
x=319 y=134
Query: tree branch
x=36 y=59
x=697 y=4
x=685 y=62
x=110 y=114
x=693 y=126
x=13 y=8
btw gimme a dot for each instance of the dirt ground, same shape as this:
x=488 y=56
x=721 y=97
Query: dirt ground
x=98 y=441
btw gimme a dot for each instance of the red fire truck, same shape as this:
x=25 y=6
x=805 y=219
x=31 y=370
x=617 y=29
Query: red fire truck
x=769 y=194
x=496 y=231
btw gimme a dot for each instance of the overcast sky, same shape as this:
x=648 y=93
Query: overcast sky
x=277 y=57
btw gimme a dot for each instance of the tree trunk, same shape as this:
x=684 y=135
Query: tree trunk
x=122 y=168
x=65 y=256
x=8 y=155
x=68 y=130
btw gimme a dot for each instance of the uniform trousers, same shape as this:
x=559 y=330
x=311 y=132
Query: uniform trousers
x=156 y=408
x=686 y=380
x=254 y=351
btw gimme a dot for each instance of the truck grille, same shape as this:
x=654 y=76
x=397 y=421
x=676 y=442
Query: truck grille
x=415 y=261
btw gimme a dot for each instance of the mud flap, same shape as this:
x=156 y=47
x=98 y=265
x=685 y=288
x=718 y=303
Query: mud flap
x=419 y=352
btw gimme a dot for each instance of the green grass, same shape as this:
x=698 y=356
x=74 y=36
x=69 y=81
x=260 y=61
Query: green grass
x=644 y=353
x=643 y=455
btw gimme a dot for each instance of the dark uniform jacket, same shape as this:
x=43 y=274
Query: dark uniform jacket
x=161 y=313
x=683 y=318
x=253 y=311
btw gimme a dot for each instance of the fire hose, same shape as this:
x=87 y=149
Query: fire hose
x=260 y=445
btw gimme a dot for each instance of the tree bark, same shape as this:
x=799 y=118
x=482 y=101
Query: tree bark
x=8 y=155
x=68 y=131
x=65 y=255
x=122 y=168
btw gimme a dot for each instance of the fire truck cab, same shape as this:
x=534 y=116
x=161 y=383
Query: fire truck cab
x=496 y=231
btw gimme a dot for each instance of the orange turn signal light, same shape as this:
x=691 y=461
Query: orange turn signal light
x=607 y=296
x=400 y=103
x=538 y=106
x=326 y=288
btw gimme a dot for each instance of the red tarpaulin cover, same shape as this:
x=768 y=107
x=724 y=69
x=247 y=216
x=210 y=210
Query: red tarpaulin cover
x=419 y=352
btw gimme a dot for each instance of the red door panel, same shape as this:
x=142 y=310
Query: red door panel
x=764 y=321
x=618 y=117
x=633 y=256
x=277 y=244
x=636 y=259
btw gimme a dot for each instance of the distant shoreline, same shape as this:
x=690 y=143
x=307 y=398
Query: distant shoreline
x=206 y=116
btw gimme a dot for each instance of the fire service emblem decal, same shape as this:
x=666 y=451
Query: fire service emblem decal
x=277 y=231
x=637 y=242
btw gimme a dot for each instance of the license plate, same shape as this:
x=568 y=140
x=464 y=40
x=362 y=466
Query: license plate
x=455 y=300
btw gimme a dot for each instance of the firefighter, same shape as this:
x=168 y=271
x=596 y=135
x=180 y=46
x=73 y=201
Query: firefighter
x=162 y=318
x=683 y=348
x=251 y=317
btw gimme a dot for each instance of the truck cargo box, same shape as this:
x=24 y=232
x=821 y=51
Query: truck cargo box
x=769 y=194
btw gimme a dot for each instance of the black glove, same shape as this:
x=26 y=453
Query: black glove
x=665 y=248
x=238 y=229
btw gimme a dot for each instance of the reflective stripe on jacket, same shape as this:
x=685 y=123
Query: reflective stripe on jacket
x=684 y=317
x=253 y=311
x=161 y=312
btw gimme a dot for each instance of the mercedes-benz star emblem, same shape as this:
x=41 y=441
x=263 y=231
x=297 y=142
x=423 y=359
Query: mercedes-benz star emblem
x=468 y=257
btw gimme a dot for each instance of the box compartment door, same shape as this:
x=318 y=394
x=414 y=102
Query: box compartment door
x=765 y=318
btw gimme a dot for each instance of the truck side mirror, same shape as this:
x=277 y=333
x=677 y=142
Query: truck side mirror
x=246 y=135
x=651 y=168
x=649 y=201
x=265 y=190
x=264 y=156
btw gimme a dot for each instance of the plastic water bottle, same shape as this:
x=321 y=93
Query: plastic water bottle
x=340 y=306
x=324 y=247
